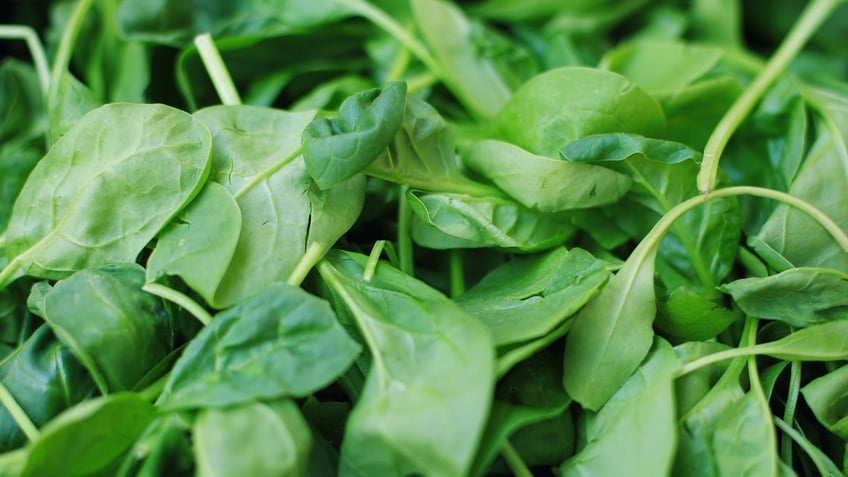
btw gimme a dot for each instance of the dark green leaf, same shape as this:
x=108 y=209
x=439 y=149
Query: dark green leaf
x=798 y=296
x=281 y=342
x=432 y=368
x=529 y=296
x=164 y=448
x=827 y=399
x=337 y=149
x=693 y=313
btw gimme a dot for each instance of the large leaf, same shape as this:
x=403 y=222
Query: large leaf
x=105 y=189
x=281 y=342
x=108 y=302
x=431 y=368
x=256 y=154
x=635 y=429
x=45 y=379
x=255 y=438
x=562 y=105
x=337 y=149
x=529 y=296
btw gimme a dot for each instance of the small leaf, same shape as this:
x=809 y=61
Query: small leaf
x=337 y=149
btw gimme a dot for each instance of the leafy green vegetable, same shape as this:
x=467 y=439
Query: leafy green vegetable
x=265 y=347
x=431 y=367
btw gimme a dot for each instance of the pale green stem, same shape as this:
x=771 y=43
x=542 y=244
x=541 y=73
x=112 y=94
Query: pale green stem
x=404 y=238
x=400 y=65
x=514 y=461
x=10 y=271
x=313 y=254
x=420 y=82
x=63 y=54
x=180 y=299
x=3 y=240
x=457 y=273
x=218 y=72
x=390 y=26
x=373 y=260
x=18 y=414
x=789 y=410
x=812 y=17
x=796 y=436
x=39 y=58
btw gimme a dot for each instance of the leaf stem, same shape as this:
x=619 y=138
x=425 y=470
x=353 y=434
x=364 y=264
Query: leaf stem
x=812 y=17
x=315 y=251
x=18 y=414
x=404 y=238
x=11 y=271
x=218 y=72
x=373 y=260
x=514 y=461
x=63 y=53
x=789 y=410
x=457 y=273
x=36 y=49
x=180 y=299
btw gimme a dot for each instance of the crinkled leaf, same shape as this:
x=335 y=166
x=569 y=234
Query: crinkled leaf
x=538 y=182
x=107 y=301
x=432 y=368
x=529 y=296
x=281 y=342
x=635 y=429
x=446 y=220
x=562 y=105
x=337 y=149
x=198 y=245
x=254 y=438
x=106 y=188
x=798 y=296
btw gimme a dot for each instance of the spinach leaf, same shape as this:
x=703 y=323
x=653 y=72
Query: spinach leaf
x=103 y=192
x=468 y=72
x=256 y=154
x=691 y=312
x=337 y=149
x=562 y=105
x=163 y=448
x=45 y=379
x=798 y=296
x=187 y=249
x=254 y=438
x=281 y=342
x=826 y=397
x=529 y=296
x=90 y=438
x=635 y=429
x=432 y=367
x=108 y=301
x=538 y=182
x=444 y=220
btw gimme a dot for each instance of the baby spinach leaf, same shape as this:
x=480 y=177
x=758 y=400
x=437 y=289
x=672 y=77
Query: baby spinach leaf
x=256 y=157
x=662 y=65
x=74 y=100
x=469 y=73
x=826 y=397
x=635 y=429
x=187 y=248
x=814 y=343
x=163 y=448
x=789 y=236
x=529 y=296
x=693 y=112
x=105 y=189
x=423 y=156
x=254 y=438
x=446 y=220
x=432 y=368
x=337 y=149
x=744 y=438
x=562 y=105
x=538 y=182
x=280 y=342
x=798 y=296
x=90 y=438
x=692 y=312
x=108 y=302
x=612 y=334
x=45 y=379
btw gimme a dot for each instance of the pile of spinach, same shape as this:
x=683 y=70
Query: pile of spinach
x=424 y=237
